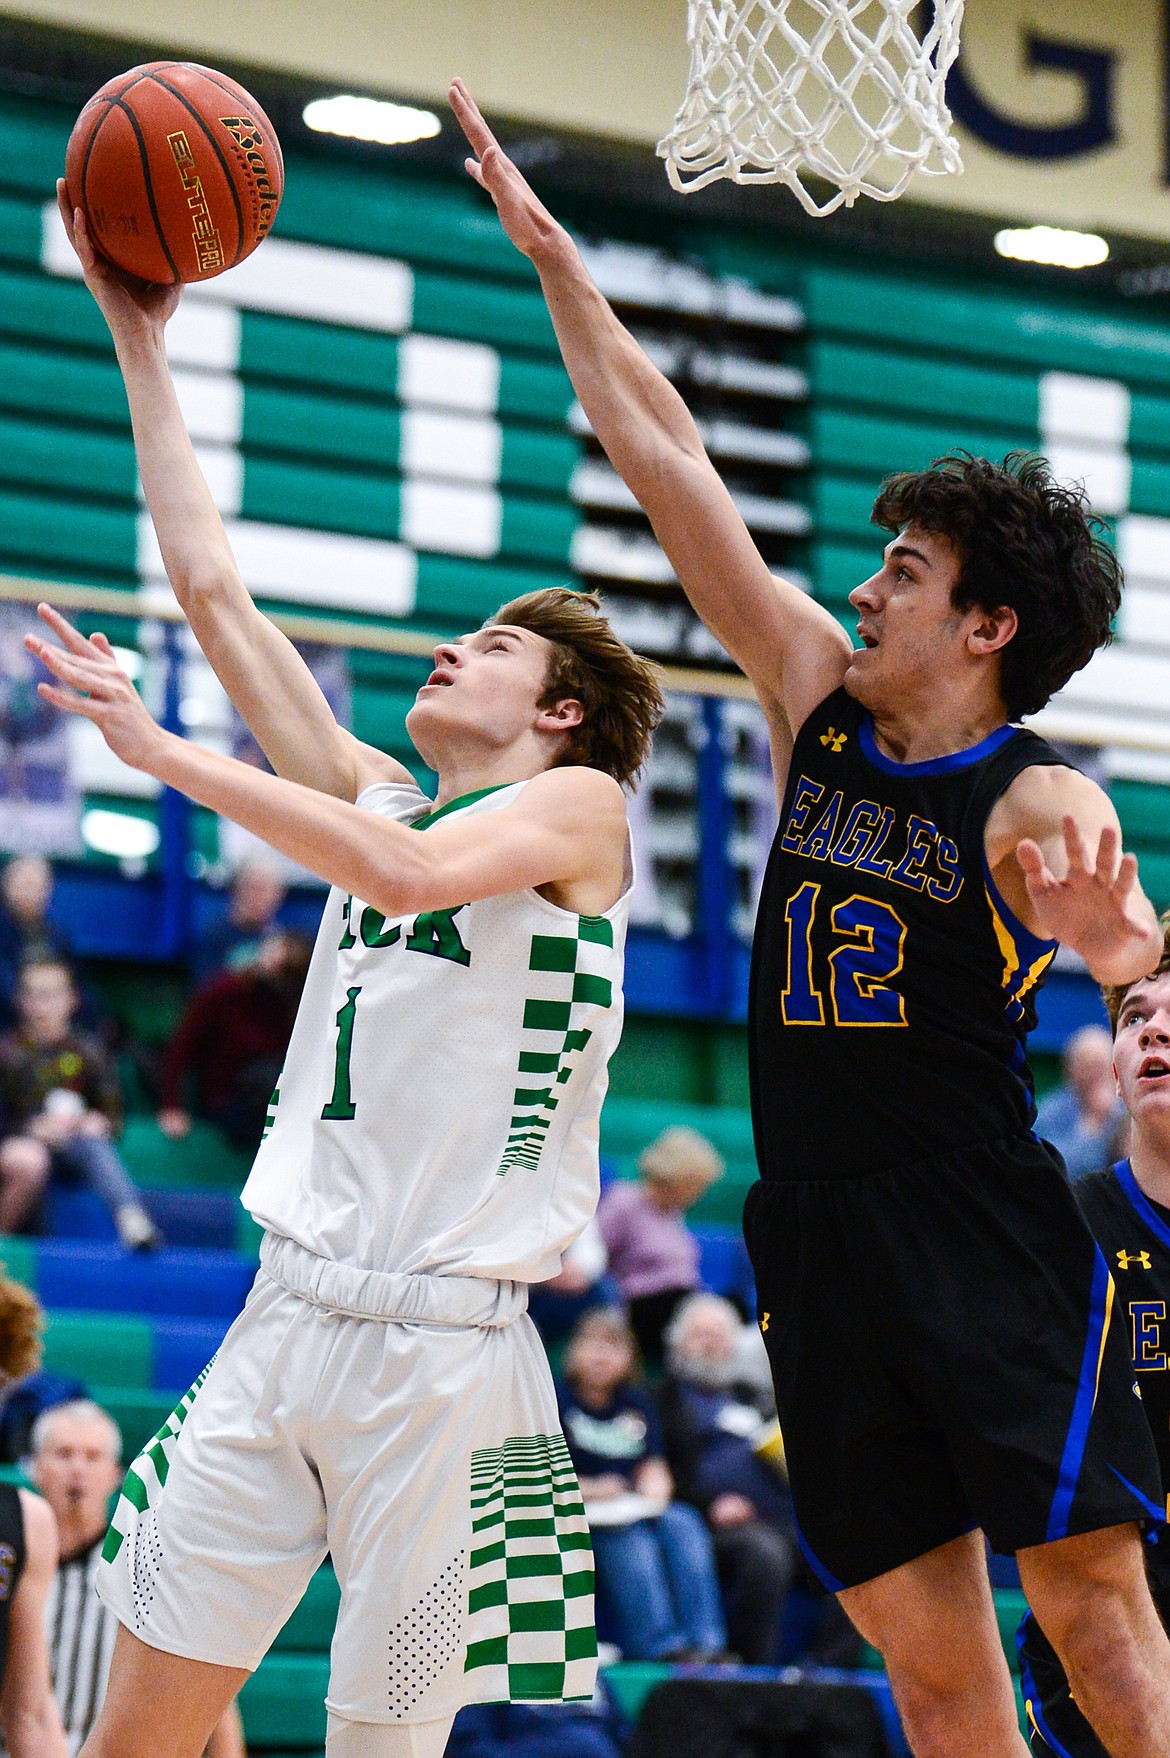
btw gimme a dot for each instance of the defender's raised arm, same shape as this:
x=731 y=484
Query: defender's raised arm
x=791 y=648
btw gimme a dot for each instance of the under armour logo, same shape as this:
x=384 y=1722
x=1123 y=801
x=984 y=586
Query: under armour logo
x=764 y=1317
x=1127 y=1259
x=834 y=740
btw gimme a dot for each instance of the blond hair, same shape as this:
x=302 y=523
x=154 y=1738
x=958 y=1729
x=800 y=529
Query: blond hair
x=1114 y=994
x=680 y=1152
x=618 y=690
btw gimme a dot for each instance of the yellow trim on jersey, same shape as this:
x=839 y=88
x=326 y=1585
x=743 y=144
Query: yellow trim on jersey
x=1016 y=984
x=1007 y=945
x=1035 y=973
x=1104 y=1336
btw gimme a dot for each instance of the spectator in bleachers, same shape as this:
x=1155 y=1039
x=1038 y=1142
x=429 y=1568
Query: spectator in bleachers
x=1082 y=1117
x=226 y=1055
x=653 y=1255
x=655 y=1566
x=257 y=893
x=725 y=1452
x=26 y=934
x=714 y=1419
x=61 y=1106
x=75 y=1462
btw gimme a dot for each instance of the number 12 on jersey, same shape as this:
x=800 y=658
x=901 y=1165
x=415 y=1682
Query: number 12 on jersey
x=872 y=937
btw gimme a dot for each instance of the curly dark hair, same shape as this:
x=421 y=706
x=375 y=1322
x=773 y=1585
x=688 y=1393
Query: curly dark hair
x=1026 y=541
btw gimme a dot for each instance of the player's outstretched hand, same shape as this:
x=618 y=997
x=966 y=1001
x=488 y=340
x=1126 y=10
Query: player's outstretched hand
x=523 y=216
x=1097 y=908
x=93 y=684
x=124 y=299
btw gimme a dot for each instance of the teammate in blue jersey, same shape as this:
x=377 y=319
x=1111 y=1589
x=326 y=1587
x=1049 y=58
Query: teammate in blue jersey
x=940 y=1327
x=1127 y=1207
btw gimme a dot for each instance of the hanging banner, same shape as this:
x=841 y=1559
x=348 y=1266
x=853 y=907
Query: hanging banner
x=40 y=809
x=1062 y=109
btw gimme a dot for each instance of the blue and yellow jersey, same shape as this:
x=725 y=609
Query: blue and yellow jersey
x=892 y=986
x=1133 y=1232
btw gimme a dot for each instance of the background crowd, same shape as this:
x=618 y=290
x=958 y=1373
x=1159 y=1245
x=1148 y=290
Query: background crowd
x=663 y=1385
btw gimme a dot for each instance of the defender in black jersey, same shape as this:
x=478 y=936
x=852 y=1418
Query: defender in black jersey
x=1128 y=1210
x=939 y=1320
x=907 y=1219
x=29 y=1723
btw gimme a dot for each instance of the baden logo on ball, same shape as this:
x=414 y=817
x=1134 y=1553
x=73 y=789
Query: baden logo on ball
x=177 y=169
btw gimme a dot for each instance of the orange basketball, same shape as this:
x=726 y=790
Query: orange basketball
x=177 y=170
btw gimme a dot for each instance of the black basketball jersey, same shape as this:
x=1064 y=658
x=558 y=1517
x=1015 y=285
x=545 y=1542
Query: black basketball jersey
x=1134 y=1235
x=11 y=1561
x=892 y=988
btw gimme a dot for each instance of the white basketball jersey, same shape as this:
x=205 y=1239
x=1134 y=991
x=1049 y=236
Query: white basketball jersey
x=438 y=1108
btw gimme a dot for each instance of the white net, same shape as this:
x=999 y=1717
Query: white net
x=840 y=90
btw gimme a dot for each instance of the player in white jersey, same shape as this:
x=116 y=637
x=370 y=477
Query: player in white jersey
x=432 y=1149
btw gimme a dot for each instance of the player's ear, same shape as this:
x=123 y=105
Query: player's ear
x=562 y=716
x=993 y=630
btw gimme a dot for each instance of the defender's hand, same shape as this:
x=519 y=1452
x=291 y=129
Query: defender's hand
x=524 y=218
x=1098 y=908
x=126 y=302
x=93 y=684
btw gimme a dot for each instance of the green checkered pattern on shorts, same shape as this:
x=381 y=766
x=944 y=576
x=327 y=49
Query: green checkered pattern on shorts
x=530 y=1578
x=146 y=1476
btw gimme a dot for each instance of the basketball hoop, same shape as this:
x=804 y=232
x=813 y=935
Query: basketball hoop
x=842 y=90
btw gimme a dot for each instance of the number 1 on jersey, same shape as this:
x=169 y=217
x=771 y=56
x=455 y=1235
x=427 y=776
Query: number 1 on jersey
x=873 y=936
x=341 y=1108
x=801 y=1003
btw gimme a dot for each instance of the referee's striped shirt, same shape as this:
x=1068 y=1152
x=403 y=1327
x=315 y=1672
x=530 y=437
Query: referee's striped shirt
x=81 y=1641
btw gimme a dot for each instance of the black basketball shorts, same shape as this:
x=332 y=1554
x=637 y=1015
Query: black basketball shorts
x=947 y=1354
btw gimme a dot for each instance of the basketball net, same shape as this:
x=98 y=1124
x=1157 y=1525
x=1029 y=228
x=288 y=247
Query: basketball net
x=841 y=90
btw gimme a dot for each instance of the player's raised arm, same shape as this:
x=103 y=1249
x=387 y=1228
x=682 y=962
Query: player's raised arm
x=260 y=669
x=792 y=649
x=566 y=834
x=1054 y=844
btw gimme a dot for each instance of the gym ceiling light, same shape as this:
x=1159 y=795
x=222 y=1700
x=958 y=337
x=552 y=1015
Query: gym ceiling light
x=371 y=119
x=1052 y=245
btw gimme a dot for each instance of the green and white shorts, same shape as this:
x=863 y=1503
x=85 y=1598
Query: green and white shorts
x=405 y=1425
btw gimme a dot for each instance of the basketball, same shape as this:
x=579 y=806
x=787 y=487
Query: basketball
x=177 y=170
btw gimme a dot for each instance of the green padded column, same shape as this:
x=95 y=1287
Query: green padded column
x=292 y=348
x=478 y=311
x=19 y=1257
x=283 y=1703
x=310 y=1628
x=100 y=1347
